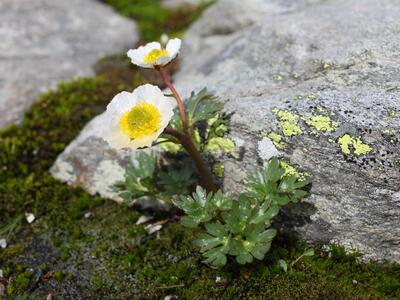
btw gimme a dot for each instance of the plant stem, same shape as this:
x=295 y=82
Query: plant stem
x=205 y=174
x=181 y=107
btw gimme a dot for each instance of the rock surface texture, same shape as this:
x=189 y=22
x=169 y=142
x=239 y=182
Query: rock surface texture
x=314 y=81
x=45 y=41
x=321 y=81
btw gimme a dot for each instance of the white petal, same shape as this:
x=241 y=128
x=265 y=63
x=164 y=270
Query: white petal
x=145 y=141
x=29 y=217
x=116 y=139
x=3 y=243
x=147 y=93
x=163 y=60
x=173 y=47
x=121 y=103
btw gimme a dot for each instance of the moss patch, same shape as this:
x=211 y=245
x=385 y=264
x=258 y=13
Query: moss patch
x=154 y=19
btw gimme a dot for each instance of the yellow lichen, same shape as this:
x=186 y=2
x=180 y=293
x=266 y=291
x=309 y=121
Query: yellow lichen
x=288 y=122
x=359 y=147
x=321 y=123
x=276 y=139
x=290 y=170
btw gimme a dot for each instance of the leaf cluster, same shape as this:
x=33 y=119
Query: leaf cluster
x=203 y=114
x=143 y=177
x=240 y=227
x=271 y=184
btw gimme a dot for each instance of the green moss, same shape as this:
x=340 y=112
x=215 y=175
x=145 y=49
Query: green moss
x=154 y=19
x=288 y=122
x=359 y=147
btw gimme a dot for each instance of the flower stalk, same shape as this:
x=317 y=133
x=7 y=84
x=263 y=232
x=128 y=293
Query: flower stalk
x=186 y=141
x=166 y=79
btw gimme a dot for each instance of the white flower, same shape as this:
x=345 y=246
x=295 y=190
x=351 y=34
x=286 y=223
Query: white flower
x=153 y=54
x=135 y=120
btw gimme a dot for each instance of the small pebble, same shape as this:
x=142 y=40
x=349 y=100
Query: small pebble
x=3 y=243
x=143 y=219
x=29 y=217
x=152 y=228
x=88 y=215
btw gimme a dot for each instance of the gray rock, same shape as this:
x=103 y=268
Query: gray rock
x=45 y=41
x=322 y=76
x=90 y=163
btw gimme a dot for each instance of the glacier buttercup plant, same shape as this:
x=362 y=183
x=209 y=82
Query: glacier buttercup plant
x=225 y=225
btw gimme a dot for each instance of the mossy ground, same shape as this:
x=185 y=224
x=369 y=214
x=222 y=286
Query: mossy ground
x=106 y=256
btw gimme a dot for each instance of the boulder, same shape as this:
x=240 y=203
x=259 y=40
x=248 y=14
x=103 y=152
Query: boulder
x=45 y=41
x=319 y=81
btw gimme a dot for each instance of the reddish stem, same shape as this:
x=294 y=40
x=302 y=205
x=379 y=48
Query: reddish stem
x=205 y=175
x=181 y=107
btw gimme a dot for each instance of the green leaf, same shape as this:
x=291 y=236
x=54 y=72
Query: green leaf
x=244 y=258
x=288 y=183
x=215 y=257
x=280 y=199
x=233 y=223
x=201 y=107
x=298 y=194
x=221 y=201
x=206 y=241
x=309 y=252
x=267 y=235
x=177 y=181
x=216 y=229
x=260 y=249
x=273 y=172
x=138 y=177
x=237 y=248
x=189 y=222
x=242 y=207
x=200 y=196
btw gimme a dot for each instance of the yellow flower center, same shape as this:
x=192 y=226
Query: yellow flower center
x=140 y=121
x=155 y=54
